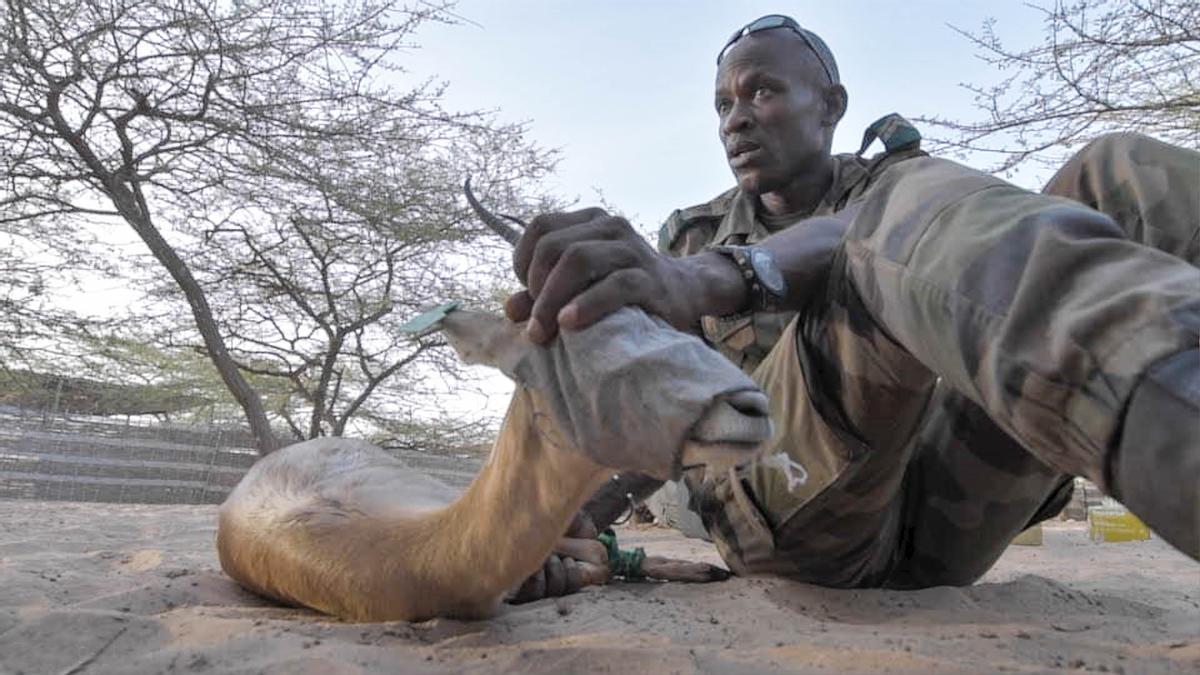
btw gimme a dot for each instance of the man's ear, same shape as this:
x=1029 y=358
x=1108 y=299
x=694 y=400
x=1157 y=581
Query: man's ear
x=835 y=105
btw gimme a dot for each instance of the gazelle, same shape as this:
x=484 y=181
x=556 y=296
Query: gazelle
x=342 y=527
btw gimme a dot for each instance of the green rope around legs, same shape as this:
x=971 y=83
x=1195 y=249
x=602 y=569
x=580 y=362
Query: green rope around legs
x=626 y=564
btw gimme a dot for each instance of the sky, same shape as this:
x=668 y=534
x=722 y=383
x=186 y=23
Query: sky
x=624 y=89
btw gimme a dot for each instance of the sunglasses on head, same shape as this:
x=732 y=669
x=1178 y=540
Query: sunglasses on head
x=772 y=21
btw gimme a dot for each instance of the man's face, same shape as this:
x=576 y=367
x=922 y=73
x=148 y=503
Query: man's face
x=769 y=98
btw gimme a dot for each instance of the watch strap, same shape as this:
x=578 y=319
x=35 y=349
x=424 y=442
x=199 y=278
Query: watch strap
x=760 y=298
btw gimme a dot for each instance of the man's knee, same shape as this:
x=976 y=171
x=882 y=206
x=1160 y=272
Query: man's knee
x=1115 y=144
x=1145 y=185
x=1117 y=149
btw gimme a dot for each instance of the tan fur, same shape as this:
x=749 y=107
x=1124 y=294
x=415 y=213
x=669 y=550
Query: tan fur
x=343 y=528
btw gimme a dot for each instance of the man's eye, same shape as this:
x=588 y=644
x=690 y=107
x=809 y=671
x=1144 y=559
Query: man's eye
x=723 y=106
x=763 y=91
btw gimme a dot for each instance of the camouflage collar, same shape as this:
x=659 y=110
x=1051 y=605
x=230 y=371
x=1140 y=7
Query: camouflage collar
x=742 y=219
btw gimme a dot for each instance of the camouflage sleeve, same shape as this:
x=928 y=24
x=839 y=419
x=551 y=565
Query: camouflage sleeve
x=1041 y=311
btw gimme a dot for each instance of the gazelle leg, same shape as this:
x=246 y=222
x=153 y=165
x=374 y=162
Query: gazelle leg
x=671 y=569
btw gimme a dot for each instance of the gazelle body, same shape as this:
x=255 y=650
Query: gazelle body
x=340 y=526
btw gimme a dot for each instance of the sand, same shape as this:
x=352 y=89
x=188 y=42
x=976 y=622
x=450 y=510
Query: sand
x=100 y=588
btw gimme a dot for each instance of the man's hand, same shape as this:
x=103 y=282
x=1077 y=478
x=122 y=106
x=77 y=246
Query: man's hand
x=578 y=560
x=581 y=266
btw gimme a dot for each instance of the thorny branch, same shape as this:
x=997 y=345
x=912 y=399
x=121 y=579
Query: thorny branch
x=1104 y=65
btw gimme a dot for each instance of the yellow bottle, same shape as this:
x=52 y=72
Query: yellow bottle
x=1111 y=522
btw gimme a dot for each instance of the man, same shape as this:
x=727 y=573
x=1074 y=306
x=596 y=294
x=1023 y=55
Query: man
x=942 y=350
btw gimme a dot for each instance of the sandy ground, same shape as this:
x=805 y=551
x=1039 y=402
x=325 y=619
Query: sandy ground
x=101 y=588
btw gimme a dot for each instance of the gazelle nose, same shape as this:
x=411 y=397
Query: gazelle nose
x=736 y=419
x=733 y=431
x=749 y=402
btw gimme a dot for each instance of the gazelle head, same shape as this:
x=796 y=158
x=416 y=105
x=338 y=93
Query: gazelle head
x=629 y=391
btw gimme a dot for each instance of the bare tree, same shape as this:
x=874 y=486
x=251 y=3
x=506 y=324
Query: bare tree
x=1104 y=65
x=171 y=115
x=23 y=305
x=312 y=284
x=35 y=327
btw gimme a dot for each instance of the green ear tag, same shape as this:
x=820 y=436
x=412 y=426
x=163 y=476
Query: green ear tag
x=430 y=321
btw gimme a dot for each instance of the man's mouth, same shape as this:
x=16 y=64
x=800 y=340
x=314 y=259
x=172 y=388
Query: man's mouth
x=742 y=152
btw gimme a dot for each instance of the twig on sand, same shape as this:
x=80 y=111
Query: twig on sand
x=78 y=667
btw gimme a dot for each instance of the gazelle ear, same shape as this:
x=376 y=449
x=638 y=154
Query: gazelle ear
x=487 y=339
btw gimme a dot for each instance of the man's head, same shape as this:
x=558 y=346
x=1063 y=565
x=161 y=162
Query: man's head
x=778 y=100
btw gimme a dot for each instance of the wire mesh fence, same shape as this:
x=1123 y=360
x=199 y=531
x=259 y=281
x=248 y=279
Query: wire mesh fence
x=51 y=454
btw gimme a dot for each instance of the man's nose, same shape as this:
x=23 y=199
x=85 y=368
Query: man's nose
x=739 y=118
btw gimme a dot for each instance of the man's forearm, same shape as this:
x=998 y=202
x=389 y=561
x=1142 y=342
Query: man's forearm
x=803 y=253
x=716 y=283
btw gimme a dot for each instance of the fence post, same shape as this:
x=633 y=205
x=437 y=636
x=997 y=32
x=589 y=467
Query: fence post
x=54 y=407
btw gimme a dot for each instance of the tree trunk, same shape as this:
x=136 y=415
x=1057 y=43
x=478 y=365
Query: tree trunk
x=246 y=396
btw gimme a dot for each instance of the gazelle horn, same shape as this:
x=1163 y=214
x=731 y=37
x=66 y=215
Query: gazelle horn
x=493 y=221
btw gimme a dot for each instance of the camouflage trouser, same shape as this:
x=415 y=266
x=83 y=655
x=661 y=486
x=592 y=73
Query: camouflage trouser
x=1048 y=330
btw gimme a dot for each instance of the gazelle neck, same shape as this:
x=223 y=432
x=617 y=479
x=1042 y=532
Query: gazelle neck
x=510 y=517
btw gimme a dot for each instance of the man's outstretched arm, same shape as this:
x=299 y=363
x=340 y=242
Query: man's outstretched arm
x=1081 y=344
x=1036 y=308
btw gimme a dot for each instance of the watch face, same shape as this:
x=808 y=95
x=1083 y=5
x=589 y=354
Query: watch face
x=767 y=272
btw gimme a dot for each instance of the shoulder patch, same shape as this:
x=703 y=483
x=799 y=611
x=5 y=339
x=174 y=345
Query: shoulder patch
x=668 y=232
x=681 y=220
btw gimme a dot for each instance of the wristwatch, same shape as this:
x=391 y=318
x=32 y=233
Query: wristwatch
x=758 y=268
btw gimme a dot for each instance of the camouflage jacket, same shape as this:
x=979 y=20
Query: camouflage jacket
x=731 y=218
